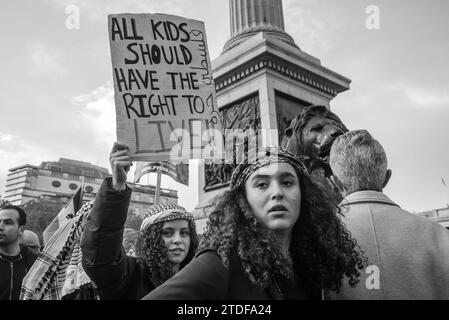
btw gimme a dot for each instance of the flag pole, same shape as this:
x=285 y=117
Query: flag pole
x=444 y=187
x=158 y=187
x=82 y=191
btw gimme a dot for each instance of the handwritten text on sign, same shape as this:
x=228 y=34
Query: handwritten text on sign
x=164 y=90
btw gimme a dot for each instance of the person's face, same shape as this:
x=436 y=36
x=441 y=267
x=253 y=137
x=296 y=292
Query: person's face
x=274 y=195
x=176 y=236
x=10 y=231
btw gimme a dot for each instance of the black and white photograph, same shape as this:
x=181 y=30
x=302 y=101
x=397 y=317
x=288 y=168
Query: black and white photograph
x=208 y=151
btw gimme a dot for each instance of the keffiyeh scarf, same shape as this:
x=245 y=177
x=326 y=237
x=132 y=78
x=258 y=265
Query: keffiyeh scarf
x=165 y=212
x=58 y=271
x=258 y=158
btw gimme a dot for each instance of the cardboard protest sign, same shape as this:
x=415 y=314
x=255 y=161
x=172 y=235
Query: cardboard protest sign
x=164 y=91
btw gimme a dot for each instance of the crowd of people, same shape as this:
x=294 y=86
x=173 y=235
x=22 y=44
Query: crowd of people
x=274 y=234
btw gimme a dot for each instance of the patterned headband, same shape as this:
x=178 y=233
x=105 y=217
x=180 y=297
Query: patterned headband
x=164 y=212
x=262 y=157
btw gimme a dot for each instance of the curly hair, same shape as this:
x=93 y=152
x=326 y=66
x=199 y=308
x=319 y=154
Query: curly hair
x=321 y=250
x=151 y=253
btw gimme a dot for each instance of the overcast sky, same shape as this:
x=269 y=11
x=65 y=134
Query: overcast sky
x=56 y=95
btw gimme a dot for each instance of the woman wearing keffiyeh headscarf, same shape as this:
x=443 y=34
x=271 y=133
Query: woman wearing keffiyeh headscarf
x=273 y=235
x=166 y=243
x=167 y=240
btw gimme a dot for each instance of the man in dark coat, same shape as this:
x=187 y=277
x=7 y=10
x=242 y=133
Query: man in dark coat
x=15 y=260
x=116 y=275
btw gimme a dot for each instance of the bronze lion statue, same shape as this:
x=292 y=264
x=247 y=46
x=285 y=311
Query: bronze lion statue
x=311 y=135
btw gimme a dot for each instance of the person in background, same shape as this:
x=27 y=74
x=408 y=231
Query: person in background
x=167 y=240
x=409 y=255
x=31 y=240
x=129 y=241
x=15 y=259
x=271 y=236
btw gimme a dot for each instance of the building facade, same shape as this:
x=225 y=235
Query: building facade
x=438 y=215
x=62 y=178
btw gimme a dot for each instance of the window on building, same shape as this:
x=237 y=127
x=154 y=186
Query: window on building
x=12 y=199
x=10 y=192
x=73 y=186
x=88 y=173
x=89 y=179
x=16 y=175
x=56 y=183
x=16 y=184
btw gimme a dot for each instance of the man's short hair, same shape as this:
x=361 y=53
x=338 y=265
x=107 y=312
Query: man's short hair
x=358 y=161
x=22 y=215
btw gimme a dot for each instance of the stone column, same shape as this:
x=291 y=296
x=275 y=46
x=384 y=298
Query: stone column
x=249 y=17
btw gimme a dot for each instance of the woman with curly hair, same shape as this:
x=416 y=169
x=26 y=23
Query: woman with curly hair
x=273 y=235
x=167 y=240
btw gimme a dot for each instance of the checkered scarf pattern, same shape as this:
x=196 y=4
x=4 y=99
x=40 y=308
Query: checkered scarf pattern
x=58 y=268
x=258 y=158
x=165 y=212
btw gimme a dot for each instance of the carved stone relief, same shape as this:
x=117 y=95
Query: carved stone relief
x=287 y=108
x=244 y=115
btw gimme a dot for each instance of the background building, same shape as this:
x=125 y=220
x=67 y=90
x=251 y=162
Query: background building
x=438 y=215
x=60 y=179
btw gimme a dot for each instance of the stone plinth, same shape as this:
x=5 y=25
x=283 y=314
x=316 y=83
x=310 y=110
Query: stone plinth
x=265 y=76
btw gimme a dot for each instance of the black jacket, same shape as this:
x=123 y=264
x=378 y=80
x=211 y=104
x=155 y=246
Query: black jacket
x=205 y=277
x=116 y=275
x=12 y=272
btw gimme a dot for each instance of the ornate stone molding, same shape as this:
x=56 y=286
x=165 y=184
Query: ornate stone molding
x=286 y=69
x=237 y=39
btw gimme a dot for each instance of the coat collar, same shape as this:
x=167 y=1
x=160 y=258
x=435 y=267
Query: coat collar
x=367 y=196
